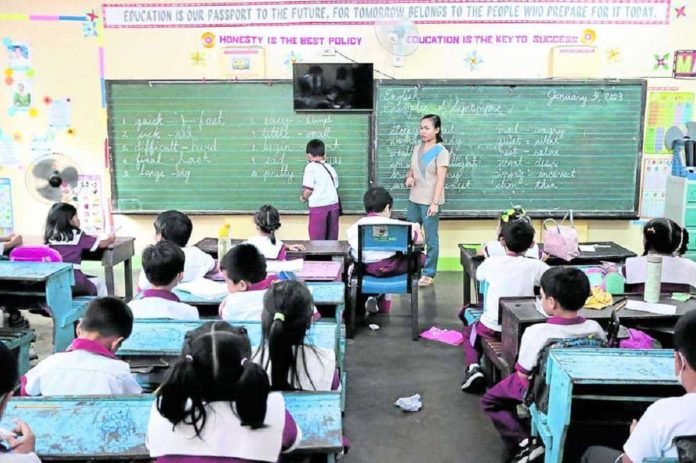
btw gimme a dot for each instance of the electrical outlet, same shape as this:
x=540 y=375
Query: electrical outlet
x=328 y=51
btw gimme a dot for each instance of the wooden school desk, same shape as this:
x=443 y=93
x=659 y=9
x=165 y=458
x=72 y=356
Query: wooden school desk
x=18 y=341
x=52 y=283
x=122 y=250
x=607 y=251
x=114 y=427
x=517 y=313
x=584 y=382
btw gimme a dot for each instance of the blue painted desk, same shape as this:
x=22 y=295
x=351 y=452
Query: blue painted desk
x=601 y=375
x=18 y=341
x=328 y=293
x=154 y=343
x=166 y=337
x=50 y=280
x=114 y=427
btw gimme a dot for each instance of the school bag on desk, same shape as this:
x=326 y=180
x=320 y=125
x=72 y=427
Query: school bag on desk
x=560 y=240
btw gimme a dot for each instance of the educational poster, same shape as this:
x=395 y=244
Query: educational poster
x=665 y=109
x=9 y=152
x=88 y=199
x=17 y=55
x=59 y=114
x=656 y=171
x=243 y=62
x=6 y=218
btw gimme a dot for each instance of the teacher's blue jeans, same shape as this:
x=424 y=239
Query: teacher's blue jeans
x=418 y=213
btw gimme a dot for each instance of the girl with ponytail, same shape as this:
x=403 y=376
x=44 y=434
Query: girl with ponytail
x=216 y=403
x=287 y=315
x=666 y=238
x=267 y=220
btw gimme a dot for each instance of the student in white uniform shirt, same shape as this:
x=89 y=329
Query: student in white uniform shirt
x=511 y=275
x=208 y=409
x=287 y=315
x=18 y=447
x=665 y=238
x=163 y=263
x=267 y=220
x=564 y=291
x=244 y=269
x=176 y=227
x=496 y=248
x=378 y=205
x=89 y=366
x=652 y=436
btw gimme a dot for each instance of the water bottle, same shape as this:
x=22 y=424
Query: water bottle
x=3 y=314
x=653 y=279
x=223 y=241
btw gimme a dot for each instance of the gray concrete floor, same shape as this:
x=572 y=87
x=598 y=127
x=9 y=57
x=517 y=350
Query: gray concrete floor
x=386 y=364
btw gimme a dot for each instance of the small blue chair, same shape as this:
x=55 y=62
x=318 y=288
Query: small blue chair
x=385 y=238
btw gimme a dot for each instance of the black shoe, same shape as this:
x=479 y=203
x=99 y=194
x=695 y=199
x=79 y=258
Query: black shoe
x=474 y=381
x=371 y=305
x=16 y=320
x=531 y=451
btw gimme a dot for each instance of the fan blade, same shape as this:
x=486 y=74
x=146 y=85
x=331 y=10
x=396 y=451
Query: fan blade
x=48 y=192
x=43 y=169
x=70 y=176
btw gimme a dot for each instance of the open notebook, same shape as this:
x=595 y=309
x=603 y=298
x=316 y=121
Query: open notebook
x=205 y=288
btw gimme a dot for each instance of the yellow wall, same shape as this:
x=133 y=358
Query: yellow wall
x=66 y=64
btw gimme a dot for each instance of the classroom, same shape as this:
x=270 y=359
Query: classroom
x=484 y=123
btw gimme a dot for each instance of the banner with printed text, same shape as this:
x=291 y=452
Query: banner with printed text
x=359 y=12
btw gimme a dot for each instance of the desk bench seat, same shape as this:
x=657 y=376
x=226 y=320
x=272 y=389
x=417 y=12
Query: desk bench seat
x=19 y=342
x=494 y=366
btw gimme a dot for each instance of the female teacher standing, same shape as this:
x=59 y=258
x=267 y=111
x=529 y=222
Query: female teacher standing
x=426 y=179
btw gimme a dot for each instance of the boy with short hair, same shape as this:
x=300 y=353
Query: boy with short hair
x=89 y=366
x=163 y=264
x=244 y=269
x=652 y=436
x=564 y=291
x=176 y=227
x=378 y=205
x=510 y=275
x=320 y=184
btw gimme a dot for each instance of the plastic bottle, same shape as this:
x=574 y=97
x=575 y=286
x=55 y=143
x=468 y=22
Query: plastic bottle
x=653 y=279
x=2 y=317
x=223 y=241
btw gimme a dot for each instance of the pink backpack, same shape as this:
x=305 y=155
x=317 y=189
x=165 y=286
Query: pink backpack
x=561 y=241
x=35 y=254
x=638 y=340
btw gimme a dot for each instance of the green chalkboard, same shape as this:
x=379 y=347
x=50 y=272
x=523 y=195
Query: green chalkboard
x=548 y=145
x=212 y=147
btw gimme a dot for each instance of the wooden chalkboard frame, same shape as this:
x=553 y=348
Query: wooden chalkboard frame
x=110 y=136
x=608 y=215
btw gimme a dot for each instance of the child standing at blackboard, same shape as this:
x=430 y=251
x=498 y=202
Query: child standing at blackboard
x=320 y=184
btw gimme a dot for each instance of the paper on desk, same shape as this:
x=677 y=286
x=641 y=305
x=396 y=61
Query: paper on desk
x=539 y=307
x=587 y=248
x=660 y=309
x=276 y=266
x=204 y=288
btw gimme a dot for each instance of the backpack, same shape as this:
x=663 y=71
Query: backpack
x=538 y=390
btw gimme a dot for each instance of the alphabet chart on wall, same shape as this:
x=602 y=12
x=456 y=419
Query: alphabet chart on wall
x=87 y=197
x=656 y=171
x=6 y=218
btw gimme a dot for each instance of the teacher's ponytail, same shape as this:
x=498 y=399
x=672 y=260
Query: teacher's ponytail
x=437 y=123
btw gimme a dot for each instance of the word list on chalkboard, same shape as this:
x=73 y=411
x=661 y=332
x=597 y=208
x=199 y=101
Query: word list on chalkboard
x=548 y=146
x=224 y=147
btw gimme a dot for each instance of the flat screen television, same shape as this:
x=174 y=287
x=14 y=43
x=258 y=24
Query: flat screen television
x=332 y=86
